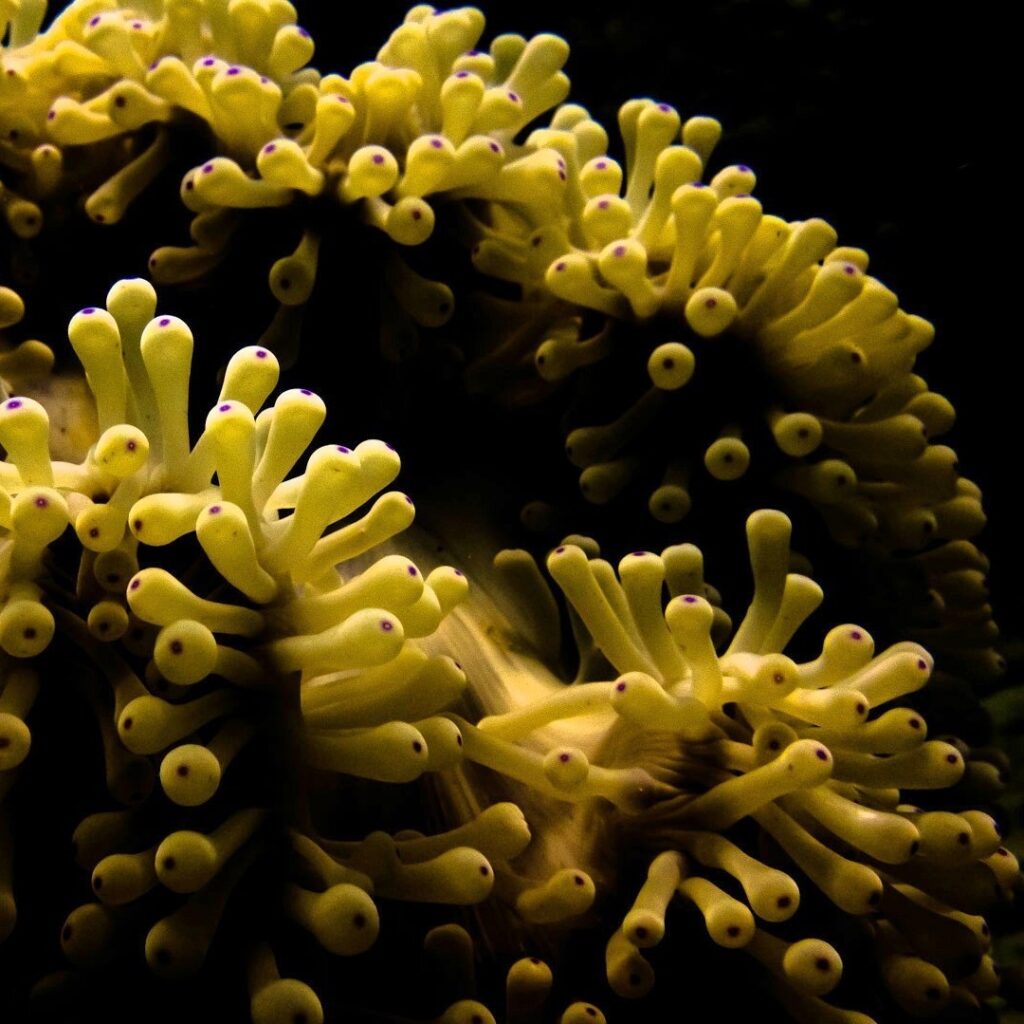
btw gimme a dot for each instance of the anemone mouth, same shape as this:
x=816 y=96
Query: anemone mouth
x=672 y=762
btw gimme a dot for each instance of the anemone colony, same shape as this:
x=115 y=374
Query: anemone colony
x=226 y=597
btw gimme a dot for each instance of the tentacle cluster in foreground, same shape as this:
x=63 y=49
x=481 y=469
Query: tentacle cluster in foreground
x=196 y=584
x=732 y=770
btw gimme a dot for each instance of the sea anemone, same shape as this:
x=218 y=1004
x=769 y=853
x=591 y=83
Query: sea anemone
x=629 y=276
x=106 y=91
x=201 y=600
x=271 y=675
x=706 y=760
x=711 y=342
x=201 y=596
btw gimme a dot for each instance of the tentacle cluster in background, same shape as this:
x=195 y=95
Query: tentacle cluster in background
x=98 y=96
x=91 y=95
x=640 y=264
x=702 y=333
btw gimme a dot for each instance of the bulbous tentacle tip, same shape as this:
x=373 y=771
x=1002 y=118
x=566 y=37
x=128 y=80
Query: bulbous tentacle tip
x=566 y=894
x=466 y=1011
x=190 y=774
x=12 y=307
x=121 y=878
x=285 y=1001
x=185 y=652
x=582 y=1013
x=170 y=955
x=344 y=919
x=670 y=366
x=86 y=934
x=15 y=741
x=813 y=966
x=26 y=628
x=185 y=861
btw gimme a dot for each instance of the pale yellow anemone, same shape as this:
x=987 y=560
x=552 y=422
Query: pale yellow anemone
x=679 y=732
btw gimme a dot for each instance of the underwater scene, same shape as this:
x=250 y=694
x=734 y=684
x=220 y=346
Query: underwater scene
x=506 y=515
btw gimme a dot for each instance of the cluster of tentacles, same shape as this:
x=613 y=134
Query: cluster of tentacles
x=701 y=336
x=211 y=618
x=726 y=767
x=630 y=273
x=92 y=104
x=257 y=650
